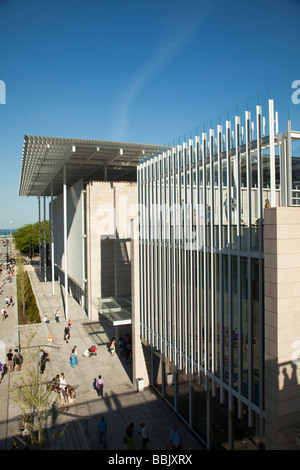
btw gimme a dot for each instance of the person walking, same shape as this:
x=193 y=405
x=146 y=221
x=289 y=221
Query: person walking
x=144 y=434
x=44 y=358
x=63 y=392
x=112 y=346
x=66 y=334
x=70 y=395
x=1 y=371
x=73 y=358
x=102 y=429
x=40 y=355
x=10 y=357
x=11 y=302
x=121 y=351
x=57 y=316
x=176 y=439
x=62 y=381
x=3 y=313
x=129 y=437
x=69 y=328
x=100 y=386
x=17 y=360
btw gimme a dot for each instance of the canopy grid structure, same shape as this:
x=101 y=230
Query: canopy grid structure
x=44 y=158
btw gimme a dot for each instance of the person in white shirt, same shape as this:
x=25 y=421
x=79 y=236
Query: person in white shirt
x=57 y=316
x=144 y=434
x=100 y=386
x=62 y=381
x=63 y=392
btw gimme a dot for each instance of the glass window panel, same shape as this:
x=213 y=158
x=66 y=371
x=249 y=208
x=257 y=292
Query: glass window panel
x=225 y=317
x=244 y=325
x=255 y=351
x=183 y=394
x=217 y=317
x=219 y=421
x=157 y=371
x=235 y=321
x=170 y=377
x=199 y=406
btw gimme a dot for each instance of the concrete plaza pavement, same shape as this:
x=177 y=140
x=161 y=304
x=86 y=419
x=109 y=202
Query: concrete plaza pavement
x=122 y=403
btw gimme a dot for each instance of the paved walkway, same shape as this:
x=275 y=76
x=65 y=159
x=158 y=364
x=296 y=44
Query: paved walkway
x=122 y=403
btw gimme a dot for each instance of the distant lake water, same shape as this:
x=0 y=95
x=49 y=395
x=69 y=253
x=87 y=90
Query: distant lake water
x=6 y=231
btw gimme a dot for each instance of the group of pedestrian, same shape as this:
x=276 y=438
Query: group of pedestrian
x=175 y=437
x=14 y=362
x=9 y=273
x=8 y=302
x=129 y=435
x=125 y=347
x=66 y=391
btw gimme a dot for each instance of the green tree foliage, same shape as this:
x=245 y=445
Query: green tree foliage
x=27 y=308
x=26 y=238
x=34 y=397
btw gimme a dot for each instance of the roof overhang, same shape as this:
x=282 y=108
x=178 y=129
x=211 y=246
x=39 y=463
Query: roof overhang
x=44 y=158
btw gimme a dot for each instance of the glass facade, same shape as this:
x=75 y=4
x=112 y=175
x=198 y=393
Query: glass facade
x=201 y=209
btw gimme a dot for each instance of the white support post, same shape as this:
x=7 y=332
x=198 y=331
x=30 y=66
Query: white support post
x=52 y=241
x=289 y=164
x=170 y=303
x=272 y=153
x=40 y=254
x=44 y=245
x=65 y=217
x=191 y=253
x=185 y=228
x=174 y=240
x=259 y=173
x=210 y=223
x=236 y=181
x=204 y=201
x=248 y=177
x=179 y=338
x=83 y=234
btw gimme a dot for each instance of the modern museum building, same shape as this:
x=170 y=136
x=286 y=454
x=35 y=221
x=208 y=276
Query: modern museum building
x=196 y=245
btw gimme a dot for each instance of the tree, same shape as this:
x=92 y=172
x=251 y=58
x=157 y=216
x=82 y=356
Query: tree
x=28 y=311
x=34 y=396
x=26 y=238
x=23 y=287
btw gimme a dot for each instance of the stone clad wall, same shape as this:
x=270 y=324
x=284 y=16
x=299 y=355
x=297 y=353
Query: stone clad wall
x=110 y=208
x=282 y=326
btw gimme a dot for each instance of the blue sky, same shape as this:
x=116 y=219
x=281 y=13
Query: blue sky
x=136 y=71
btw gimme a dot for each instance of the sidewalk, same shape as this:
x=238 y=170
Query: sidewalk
x=122 y=403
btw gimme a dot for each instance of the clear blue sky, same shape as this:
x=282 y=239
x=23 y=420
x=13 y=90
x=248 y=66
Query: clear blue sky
x=134 y=70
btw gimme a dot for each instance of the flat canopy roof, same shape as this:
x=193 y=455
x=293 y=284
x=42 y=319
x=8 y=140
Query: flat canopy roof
x=43 y=160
